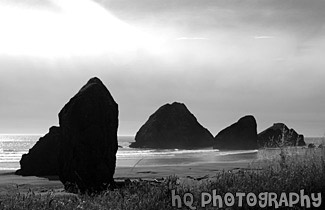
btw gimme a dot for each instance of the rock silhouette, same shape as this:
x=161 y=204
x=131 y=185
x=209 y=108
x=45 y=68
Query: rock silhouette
x=42 y=158
x=88 y=141
x=241 y=135
x=172 y=126
x=280 y=135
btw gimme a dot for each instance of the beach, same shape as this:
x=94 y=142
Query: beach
x=154 y=172
x=131 y=163
x=9 y=182
x=156 y=168
x=298 y=170
x=138 y=163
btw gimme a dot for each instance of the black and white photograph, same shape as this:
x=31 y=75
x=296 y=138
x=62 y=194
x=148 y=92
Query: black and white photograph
x=162 y=104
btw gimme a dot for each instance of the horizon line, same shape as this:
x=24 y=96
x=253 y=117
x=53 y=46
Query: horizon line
x=41 y=134
x=129 y=135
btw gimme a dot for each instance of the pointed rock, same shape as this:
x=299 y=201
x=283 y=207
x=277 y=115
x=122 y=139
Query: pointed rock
x=88 y=143
x=241 y=135
x=172 y=126
x=280 y=135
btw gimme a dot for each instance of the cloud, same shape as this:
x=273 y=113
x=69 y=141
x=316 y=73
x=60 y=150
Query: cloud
x=224 y=59
x=192 y=38
x=263 y=37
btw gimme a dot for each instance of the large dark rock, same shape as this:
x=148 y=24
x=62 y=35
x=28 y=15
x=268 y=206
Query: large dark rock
x=88 y=144
x=280 y=135
x=172 y=126
x=301 y=140
x=241 y=135
x=42 y=158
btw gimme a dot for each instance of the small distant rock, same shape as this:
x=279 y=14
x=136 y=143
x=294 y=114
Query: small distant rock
x=280 y=135
x=42 y=158
x=172 y=126
x=311 y=145
x=321 y=146
x=88 y=142
x=241 y=135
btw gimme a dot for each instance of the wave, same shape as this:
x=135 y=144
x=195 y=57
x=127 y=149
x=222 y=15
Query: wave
x=145 y=153
x=157 y=152
x=10 y=161
x=238 y=152
x=176 y=152
x=8 y=169
x=9 y=154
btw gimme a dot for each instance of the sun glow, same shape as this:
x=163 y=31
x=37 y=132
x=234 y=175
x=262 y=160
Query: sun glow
x=73 y=28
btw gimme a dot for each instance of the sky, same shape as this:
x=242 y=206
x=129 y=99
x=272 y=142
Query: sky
x=223 y=58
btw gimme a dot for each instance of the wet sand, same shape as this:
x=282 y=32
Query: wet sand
x=9 y=182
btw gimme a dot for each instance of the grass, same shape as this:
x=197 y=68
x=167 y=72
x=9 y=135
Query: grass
x=288 y=170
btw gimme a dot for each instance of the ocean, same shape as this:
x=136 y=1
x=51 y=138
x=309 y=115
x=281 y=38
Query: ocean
x=13 y=146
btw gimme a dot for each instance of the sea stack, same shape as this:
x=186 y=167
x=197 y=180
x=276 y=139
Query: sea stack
x=42 y=158
x=280 y=135
x=241 y=135
x=172 y=126
x=88 y=142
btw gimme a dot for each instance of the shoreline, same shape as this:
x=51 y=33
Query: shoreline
x=9 y=182
x=193 y=171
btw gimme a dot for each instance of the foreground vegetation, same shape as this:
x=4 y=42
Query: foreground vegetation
x=288 y=171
